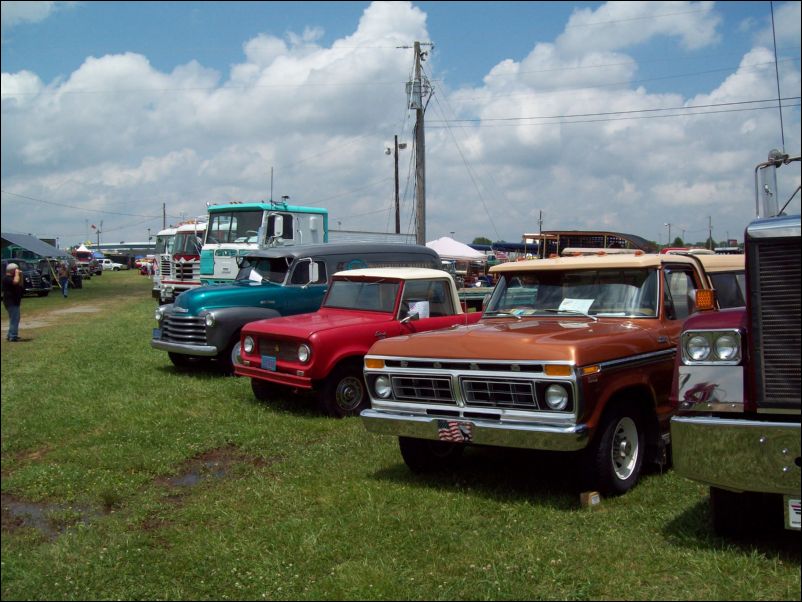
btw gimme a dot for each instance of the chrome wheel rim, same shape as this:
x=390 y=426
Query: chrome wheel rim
x=624 y=451
x=235 y=353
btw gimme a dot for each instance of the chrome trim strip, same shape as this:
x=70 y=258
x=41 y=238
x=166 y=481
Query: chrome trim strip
x=637 y=359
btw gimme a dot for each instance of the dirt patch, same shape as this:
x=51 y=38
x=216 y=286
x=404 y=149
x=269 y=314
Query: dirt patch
x=50 y=318
x=49 y=519
x=213 y=464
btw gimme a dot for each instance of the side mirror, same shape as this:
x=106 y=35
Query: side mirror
x=278 y=226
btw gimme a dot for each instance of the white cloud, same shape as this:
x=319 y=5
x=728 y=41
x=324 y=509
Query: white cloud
x=120 y=135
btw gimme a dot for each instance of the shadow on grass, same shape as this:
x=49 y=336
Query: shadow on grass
x=544 y=478
x=693 y=529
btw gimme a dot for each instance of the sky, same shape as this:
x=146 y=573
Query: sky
x=639 y=117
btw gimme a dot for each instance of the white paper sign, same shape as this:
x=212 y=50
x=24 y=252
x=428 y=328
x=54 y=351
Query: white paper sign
x=419 y=307
x=582 y=305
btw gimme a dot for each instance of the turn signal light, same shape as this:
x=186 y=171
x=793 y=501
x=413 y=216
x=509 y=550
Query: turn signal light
x=557 y=370
x=373 y=363
x=705 y=299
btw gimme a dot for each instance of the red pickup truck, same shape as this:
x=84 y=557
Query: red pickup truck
x=323 y=351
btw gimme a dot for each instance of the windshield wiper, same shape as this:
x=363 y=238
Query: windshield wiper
x=570 y=311
x=504 y=314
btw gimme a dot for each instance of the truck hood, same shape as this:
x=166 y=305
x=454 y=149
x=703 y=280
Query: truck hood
x=246 y=294
x=303 y=326
x=579 y=341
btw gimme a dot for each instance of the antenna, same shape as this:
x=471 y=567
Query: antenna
x=777 y=75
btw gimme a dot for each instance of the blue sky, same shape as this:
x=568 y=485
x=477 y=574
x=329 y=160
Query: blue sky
x=112 y=108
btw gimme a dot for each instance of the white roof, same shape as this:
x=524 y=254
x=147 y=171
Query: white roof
x=401 y=273
x=199 y=227
x=448 y=248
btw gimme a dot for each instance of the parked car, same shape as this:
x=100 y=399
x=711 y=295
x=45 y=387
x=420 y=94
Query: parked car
x=108 y=265
x=32 y=280
x=573 y=354
x=323 y=351
x=205 y=322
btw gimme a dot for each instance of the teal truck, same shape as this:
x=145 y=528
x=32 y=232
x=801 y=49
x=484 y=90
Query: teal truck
x=204 y=323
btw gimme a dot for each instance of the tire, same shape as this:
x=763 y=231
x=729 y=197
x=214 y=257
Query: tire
x=747 y=514
x=187 y=361
x=263 y=390
x=231 y=356
x=344 y=392
x=424 y=455
x=616 y=457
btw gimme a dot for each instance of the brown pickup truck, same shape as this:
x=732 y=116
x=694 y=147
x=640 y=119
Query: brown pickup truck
x=573 y=354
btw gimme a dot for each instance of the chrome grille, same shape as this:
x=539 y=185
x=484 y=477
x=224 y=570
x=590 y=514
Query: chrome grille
x=187 y=271
x=775 y=295
x=184 y=329
x=499 y=393
x=164 y=267
x=413 y=388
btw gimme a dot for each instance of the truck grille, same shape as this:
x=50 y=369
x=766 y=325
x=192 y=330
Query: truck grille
x=184 y=329
x=775 y=293
x=426 y=389
x=499 y=394
x=285 y=351
x=164 y=267
x=186 y=272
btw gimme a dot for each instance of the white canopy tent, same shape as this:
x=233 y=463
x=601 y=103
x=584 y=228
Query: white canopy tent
x=448 y=248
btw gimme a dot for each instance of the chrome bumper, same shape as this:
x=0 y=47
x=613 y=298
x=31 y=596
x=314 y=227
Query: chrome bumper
x=740 y=455
x=203 y=350
x=483 y=432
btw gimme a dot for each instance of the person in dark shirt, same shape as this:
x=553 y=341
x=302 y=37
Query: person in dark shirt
x=12 y=299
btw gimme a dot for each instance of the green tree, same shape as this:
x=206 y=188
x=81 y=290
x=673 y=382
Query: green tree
x=481 y=240
x=678 y=242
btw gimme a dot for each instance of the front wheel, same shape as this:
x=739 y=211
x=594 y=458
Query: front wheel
x=344 y=392
x=262 y=389
x=424 y=455
x=616 y=458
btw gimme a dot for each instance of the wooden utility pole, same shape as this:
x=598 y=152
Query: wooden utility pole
x=397 y=211
x=420 y=153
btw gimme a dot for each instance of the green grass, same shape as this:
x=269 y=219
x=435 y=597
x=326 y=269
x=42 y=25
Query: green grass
x=159 y=484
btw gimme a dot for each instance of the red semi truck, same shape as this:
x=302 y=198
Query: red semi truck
x=737 y=380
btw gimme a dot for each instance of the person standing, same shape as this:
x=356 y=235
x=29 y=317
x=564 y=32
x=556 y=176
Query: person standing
x=12 y=298
x=63 y=278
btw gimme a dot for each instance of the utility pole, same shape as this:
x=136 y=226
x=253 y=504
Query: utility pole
x=710 y=232
x=397 y=210
x=164 y=215
x=420 y=152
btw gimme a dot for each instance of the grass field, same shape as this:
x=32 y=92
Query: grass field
x=123 y=478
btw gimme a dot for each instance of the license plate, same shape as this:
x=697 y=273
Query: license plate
x=454 y=431
x=157 y=333
x=793 y=513
x=269 y=362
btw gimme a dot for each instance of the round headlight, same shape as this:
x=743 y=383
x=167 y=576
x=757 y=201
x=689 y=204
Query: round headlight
x=727 y=347
x=248 y=345
x=697 y=348
x=382 y=386
x=210 y=320
x=158 y=314
x=556 y=397
x=303 y=353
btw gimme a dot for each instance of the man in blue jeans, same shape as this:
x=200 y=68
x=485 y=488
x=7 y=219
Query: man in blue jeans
x=12 y=298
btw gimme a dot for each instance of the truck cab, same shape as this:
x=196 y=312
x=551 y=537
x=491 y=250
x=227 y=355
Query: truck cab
x=572 y=354
x=736 y=385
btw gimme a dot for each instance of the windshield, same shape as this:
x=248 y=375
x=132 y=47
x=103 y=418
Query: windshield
x=609 y=292
x=730 y=288
x=362 y=295
x=164 y=244
x=234 y=227
x=187 y=243
x=260 y=269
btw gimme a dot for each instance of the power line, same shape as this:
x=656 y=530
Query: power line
x=628 y=112
x=622 y=118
